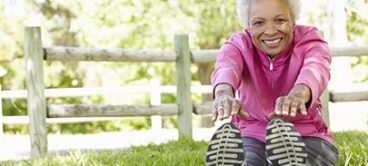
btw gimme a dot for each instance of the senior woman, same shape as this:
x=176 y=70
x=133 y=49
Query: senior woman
x=278 y=70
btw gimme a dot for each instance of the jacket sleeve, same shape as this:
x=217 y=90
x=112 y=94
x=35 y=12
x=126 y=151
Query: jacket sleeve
x=229 y=65
x=315 y=71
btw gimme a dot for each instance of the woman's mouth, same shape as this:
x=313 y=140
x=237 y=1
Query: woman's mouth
x=272 y=42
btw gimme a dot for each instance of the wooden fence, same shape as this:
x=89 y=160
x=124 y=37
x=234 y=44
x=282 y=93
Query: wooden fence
x=154 y=90
x=182 y=56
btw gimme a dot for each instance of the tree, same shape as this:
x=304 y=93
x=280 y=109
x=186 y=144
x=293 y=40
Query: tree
x=131 y=24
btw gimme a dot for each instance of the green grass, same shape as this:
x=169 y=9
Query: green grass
x=352 y=145
x=353 y=148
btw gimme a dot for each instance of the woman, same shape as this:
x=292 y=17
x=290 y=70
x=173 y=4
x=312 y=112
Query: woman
x=278 y=70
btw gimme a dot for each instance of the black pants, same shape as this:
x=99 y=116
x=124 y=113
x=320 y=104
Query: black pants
x=320 y=152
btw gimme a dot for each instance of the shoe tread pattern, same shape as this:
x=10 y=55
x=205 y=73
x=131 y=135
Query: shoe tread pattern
x=284 y=145
x=225 y=147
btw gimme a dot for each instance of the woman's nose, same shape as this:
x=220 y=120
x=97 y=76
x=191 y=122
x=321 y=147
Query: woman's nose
x=270 y=29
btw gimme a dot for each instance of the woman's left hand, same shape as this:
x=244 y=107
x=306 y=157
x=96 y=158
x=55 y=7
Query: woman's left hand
x=293 y=103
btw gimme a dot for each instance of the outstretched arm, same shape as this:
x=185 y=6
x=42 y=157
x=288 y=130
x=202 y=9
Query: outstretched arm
x=226 y=78
x=312 y=79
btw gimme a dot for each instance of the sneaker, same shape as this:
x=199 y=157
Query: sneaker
x=284 y=145
x=226 y=147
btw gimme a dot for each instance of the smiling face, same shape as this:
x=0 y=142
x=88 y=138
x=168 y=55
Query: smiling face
x=270 y=25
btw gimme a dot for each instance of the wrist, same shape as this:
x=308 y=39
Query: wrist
x=301 y=91
x=223 y=89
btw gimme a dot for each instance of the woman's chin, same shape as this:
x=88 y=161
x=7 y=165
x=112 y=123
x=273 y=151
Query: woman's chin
x=272 y=52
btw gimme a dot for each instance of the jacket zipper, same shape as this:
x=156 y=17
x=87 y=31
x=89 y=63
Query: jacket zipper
x=271 y=63
x=271 y=69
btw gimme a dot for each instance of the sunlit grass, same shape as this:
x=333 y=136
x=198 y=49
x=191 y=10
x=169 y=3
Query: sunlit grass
x=352 y=145
x=353 y=148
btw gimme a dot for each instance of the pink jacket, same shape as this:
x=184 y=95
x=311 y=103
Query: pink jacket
x=260 y=81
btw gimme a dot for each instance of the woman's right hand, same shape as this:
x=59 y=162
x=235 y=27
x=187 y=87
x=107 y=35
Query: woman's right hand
x=225 y=104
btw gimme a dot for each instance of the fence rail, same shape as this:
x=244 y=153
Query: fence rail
x=182 y=56
x=154 y=89
x=84 y=110
x=25 y=119
x=74 y=92
x=354 y=51
x=130 y=55
x=96 y=54
x=199 y=109
x=348 y=96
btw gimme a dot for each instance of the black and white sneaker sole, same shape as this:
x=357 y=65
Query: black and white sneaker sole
x=226 y=147
x=284 y=145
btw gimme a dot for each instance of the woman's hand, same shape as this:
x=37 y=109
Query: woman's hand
x=294 y=102
x=225 y=104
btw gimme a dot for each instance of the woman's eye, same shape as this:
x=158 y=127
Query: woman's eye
x=280 y=20
x=258 y=23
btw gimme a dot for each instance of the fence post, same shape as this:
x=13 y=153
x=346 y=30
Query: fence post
x=325 y=99
x=35 y=87
x=155 y=98
x=183 y=81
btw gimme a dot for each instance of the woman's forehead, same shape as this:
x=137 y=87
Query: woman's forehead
x=268 y=8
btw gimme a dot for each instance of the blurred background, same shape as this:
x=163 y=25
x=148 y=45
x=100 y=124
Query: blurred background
x=147 y=24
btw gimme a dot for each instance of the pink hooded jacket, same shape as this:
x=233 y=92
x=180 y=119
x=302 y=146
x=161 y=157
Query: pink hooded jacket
x=259 y=81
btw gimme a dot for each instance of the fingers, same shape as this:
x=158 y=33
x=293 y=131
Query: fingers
x=219 y=108
x=293 y=108
x=214 y=114
x=243 y=115
x=278 y=106
x=303 y=110
x=226 y=106
x=226 y=110
x=220 y=112
x=288 y=106
x=235 y=107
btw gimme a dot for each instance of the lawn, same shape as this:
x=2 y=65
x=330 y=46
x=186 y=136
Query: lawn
x=352 y=145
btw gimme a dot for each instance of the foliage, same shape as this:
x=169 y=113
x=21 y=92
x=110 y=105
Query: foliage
x=358 y=21
x=352 y=148
x=117 y=24
x=130 y=24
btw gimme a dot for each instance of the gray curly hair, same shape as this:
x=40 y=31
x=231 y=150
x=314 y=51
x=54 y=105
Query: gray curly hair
x=243 y=10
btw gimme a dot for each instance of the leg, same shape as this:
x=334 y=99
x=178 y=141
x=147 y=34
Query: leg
x=255 y=152
x=320 y=152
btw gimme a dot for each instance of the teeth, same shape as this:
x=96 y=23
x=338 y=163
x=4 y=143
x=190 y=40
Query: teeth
x=272 y=41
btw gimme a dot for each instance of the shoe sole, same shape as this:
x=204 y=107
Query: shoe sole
x=225 y=147
x=284 y=145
